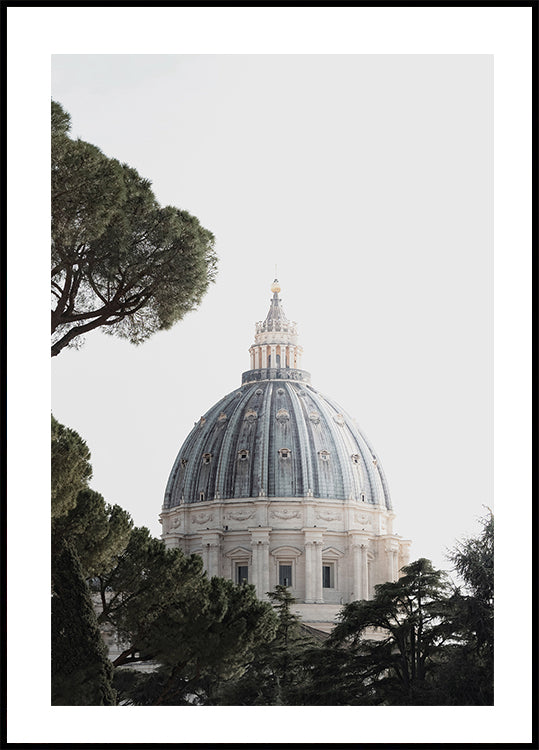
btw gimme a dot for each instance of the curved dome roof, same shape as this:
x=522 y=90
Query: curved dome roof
x=276 y=436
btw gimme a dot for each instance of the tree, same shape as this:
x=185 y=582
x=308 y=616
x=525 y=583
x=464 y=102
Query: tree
x=81 y=672
x=70 y=468
x=275 y=673
x=211 y=644
x=473 y=560
x=119 y=260
x=98 y=531
x=83 y=528
x=145 y=582
x=200 y=631
x=411 y=617
x=164 y=608
x=466 y=675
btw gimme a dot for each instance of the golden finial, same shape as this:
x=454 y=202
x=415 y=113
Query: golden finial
x=275 y=287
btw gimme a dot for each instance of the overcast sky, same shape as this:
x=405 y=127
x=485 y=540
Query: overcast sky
x=367 y=181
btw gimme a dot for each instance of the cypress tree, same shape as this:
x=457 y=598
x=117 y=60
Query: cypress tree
x=81 y=671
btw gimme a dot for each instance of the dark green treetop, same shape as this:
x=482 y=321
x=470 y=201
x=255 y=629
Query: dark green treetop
x=200 y=631
x=276 y=670
x=466 y=676
x=70 y=468
x=98 y=531
x=119 y=260
x=81 y=672
x=409 y=618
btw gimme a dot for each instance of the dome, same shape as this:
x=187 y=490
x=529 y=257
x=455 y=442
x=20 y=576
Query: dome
x=276 y=436
x=276 y=485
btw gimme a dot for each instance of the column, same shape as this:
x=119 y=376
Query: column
x=356 y=577
x=253 y=572
x=264 y=357
x=205 y=557
x=395 y=565
x=317 y=566
x=364 y=572
x=309 y=582
x=391 y=564
x=259 y=572
x=264 y=569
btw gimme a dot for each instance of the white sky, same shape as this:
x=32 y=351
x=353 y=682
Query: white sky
x=367 y=179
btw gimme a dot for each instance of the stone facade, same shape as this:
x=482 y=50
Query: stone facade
x=277 y=484
x=330 y=551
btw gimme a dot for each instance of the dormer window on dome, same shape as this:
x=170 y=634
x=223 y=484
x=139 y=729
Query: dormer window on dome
x=324 y=455
x=243 y=455
x=206 y=458
x=284 y=452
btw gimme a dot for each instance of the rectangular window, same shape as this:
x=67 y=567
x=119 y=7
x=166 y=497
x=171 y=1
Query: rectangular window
x=327 y=577
x=285 y=575
x=242 y=574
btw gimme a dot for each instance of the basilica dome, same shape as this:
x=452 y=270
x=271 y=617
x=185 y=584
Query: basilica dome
x=277 y=485
x=276 y=438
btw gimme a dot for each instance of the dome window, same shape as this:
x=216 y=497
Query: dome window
x=206 y=458
x=184 y=463
x=355 y=458
x=324 y=455
x=243 y=455
x=282 y=416
x=284 y=452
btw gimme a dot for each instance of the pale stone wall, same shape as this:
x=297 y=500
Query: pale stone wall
x=352 y=539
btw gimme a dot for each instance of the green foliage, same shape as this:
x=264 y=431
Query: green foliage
x=81 y=672
x=473 y=560
x=119 y=260
x=398 y=636
x=467 y=674
x=200 y=631
x=98 y=531
x=274 y=674
x=140 y=587
x=70 y=468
